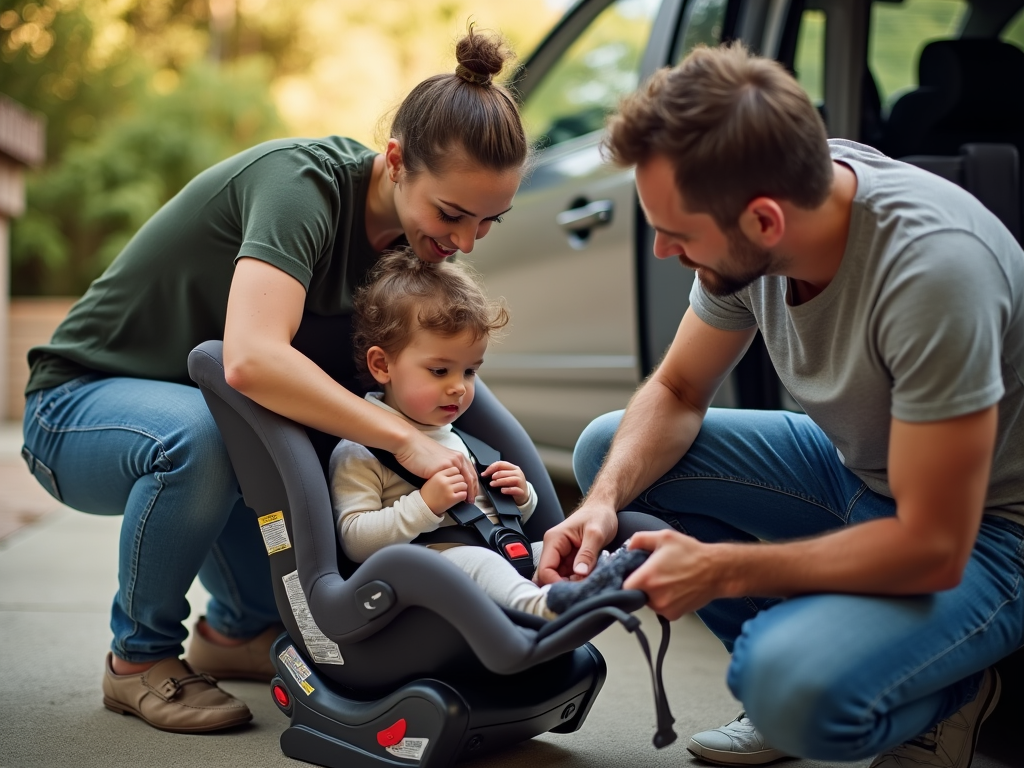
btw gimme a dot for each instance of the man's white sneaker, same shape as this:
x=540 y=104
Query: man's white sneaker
x=738 y=743
x=951 y=743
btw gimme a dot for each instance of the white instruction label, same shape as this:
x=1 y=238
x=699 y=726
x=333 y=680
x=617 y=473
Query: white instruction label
x=409 y=749
x=275 y=532
x=291 y=659
x=322 y=648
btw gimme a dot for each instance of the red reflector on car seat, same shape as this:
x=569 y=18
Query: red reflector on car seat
x=391 y=736
x=281 y=695
x=516 y=549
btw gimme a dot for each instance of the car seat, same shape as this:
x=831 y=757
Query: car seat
x=404 y=656
x=970 y=90
x=990 y=172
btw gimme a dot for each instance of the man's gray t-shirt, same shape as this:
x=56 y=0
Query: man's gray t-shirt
x=923 y=321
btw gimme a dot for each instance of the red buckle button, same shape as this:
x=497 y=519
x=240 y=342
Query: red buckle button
x=391 y=736
x=516 y=549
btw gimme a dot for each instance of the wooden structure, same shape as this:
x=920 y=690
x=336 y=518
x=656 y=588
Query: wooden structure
x=22 y=145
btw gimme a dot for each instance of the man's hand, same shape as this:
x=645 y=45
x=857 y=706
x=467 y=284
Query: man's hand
x=425 y=457
x=571 y=547
x=510 y=479
x=444 y=490
x=678 y=577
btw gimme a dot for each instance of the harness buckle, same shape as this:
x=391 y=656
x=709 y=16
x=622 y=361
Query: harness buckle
x=515 y=548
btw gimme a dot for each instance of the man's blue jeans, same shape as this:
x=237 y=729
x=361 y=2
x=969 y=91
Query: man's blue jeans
x=830 y=676
x=151 y=451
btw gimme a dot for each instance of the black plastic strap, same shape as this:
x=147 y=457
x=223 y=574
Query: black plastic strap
x=484 y=455
x=469 y=514
x=388 y=460
x=496 y=537
x=665 y=734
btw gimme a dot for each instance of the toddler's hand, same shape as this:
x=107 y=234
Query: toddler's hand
x=510 y=479
x=444 y=490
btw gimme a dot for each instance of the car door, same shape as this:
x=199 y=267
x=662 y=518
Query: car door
x=562 y=259
x=592 y=309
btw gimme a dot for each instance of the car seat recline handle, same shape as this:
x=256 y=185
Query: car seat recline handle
x=586 y=217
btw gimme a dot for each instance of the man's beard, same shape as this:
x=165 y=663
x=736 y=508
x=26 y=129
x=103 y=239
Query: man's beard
x=751 y=263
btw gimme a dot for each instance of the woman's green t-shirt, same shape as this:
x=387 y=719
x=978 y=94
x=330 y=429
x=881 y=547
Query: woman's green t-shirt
x=298 y=204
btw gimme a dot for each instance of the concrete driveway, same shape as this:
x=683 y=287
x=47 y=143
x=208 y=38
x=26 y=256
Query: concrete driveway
x=58 y=575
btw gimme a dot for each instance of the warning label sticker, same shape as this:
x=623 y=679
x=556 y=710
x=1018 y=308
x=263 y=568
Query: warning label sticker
x=290 y=658
x=409 y=749
x=275 y=533
x=321 y=648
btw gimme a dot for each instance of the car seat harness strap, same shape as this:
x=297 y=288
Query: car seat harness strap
x=505 y=537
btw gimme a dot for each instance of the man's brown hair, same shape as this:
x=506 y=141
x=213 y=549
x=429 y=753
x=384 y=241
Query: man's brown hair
x=734 y=126
x=404 y=294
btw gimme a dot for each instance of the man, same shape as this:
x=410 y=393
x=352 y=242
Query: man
x=862 y=562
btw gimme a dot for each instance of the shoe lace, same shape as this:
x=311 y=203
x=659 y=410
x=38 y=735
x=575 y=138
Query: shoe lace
x=928 y=741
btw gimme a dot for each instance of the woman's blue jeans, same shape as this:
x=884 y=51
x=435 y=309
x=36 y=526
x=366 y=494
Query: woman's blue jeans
x=150 y=450
x=829 y=676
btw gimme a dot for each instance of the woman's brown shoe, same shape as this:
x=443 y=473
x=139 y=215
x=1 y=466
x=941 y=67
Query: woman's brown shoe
x=248 y=661
x=172 y=697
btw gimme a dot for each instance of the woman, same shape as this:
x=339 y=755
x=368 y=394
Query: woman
x=272 y=239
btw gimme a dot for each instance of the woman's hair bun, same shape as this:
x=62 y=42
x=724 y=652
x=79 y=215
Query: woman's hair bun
x=481 y=57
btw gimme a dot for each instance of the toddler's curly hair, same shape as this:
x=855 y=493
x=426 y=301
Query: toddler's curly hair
x=404 y=294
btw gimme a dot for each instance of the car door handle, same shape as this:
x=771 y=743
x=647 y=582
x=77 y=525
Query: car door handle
x=586 y=217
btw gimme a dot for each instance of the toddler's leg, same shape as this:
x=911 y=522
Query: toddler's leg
x=500 y=580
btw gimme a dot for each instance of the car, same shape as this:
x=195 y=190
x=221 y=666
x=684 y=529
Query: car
x=592 y=310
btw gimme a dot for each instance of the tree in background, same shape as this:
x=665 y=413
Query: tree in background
x=140 y=95
x=84 y=208
x=130 y=119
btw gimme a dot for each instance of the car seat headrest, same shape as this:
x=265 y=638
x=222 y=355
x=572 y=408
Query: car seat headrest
x=978 y=81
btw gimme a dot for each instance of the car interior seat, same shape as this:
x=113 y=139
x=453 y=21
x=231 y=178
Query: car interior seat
x=970 y=91
x=403 y=656
x=990 y=172
x=965 y=121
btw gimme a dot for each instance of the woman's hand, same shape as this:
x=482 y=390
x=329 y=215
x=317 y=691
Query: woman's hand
x=425 y=457
x=510 y=479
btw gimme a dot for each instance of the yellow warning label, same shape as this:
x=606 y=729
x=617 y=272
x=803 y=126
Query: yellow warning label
x=307 y=687
x=275 y=533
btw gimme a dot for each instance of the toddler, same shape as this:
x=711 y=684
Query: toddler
x=421 y=331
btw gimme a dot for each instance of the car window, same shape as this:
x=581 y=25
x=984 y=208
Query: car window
x=702 y=23
x=601 y=66
x=809 y=61
x=897 y=34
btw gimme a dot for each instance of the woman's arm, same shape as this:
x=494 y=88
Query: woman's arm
x=264 y=311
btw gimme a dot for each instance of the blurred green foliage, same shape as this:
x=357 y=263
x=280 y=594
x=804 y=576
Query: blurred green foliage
x=897 y=35
x=600 y=67
x=84 y=208
x=128 y=124
x=809 y=62
x=140 y=95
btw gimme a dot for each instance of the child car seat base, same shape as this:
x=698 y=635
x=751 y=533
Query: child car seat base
x=429 y=722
